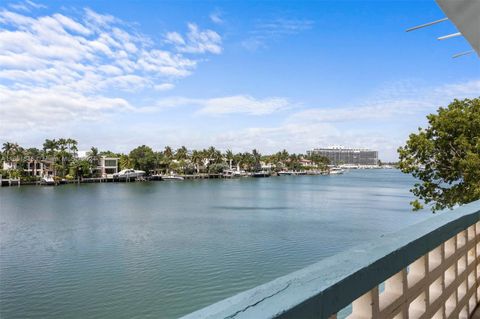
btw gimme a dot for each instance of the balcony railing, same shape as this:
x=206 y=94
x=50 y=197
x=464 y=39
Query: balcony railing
x=429 y=270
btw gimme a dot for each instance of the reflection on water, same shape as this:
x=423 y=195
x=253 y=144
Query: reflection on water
x=165 y=249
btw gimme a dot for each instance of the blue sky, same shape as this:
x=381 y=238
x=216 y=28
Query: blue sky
x=234 y=74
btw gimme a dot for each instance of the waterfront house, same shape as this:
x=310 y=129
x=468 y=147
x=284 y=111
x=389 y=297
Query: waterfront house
x=10 y=165
x=40 y=168
x=266 y=166
x=32 y=167
x=307 y=163
x=108 y=166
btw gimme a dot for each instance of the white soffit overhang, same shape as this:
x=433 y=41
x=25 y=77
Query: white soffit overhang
x=465 y=15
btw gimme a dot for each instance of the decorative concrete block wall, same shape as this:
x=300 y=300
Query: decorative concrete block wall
x=440 y=284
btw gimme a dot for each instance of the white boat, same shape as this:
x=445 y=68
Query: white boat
x=336 y=171
x=285 y=173
x=129 y=173
x=172 y=178
x=231 y=173
x=48 y=180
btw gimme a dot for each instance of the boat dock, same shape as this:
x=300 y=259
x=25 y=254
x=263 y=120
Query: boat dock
x=9 y=181
x=18 y=182
x=157 y=177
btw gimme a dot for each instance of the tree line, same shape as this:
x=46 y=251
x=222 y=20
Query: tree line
x=63 y=154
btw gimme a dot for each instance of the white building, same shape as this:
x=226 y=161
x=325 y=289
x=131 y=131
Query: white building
x=339 y=155
x=108 y=166
x=32 y=167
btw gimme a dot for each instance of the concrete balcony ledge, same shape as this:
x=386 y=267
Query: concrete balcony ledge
x=429 y=271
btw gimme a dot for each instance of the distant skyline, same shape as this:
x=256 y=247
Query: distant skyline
x=236 y=75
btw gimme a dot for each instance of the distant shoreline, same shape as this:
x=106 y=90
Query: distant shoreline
x=165 y=178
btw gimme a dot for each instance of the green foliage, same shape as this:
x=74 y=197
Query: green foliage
x=188 y=168
x=3 y=173
x=109 y=154
x=80 y=169
x=294 y=165
x=29 y=179
x=63 y=154
x=63 y=151
x=181 y=153
x=445 y=156
x=257 y=166
x=143 y=158
x=217 y=168
x=319 y=160
x=124 y=162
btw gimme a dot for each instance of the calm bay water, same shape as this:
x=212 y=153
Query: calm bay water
x=164 y=249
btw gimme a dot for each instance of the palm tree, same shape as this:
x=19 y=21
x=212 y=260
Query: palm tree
x=168 y=152
x=197 y=159
x=13 y=152
x=72 y=146
x=8 y=150
x=214 y=155
x=62 y=155
x=247 y=161
x=125 y=162
x=238 y=158
x=256 y=159
x=93 y=157
x=230 y=157
x=181 y=153
x=19 y=155
x=50 y=147
x=33 y=155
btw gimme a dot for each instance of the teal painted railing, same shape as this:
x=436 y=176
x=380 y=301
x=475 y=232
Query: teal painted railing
x=429 y=270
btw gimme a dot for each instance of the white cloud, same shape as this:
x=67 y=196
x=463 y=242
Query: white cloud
x=175 y=38
x=216 y=17
x=236 y=104
x=392 y=102
x=35 y=5
x=164 y=86
x=60 y=69
x=26 y=6
x=273 y=30
x=280 y=27
x=59 y=45
x=196 y=40
x=100 y=20
x=71 y=24
x=243 y=104
x=42 y=108
x=382 y=122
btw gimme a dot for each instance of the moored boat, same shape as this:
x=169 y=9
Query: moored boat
x=231 y=173
x=336 y=171
x=47 y=180
x=261 y=174
x=172 y=178
x=129 y=174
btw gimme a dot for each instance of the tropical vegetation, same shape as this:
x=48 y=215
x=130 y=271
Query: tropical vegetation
x=62 y=156
x=445 y=157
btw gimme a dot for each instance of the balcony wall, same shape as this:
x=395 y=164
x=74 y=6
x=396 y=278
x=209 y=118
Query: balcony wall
x=429 y=270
